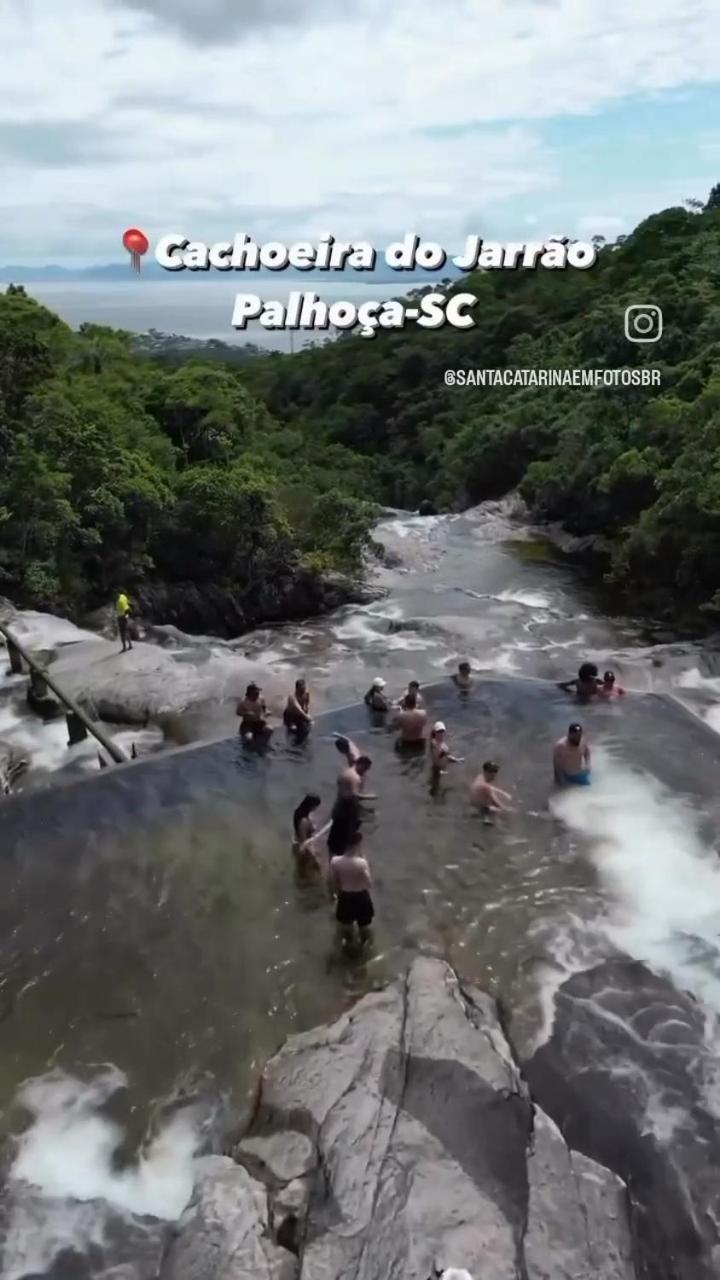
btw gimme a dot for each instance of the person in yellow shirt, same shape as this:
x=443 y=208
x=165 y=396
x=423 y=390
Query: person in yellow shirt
x=123 y=611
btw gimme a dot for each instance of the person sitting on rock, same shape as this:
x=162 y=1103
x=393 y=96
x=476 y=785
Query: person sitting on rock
x=123 y=613
x=462 y=678
x=296 y=716
x=585 y=685
x=376 y=698
x=253 y=714
x=350 y=882
x=412 y=691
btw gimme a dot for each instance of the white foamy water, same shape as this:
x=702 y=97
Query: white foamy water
x=67 y=1151
x=530 y=599
x=662 y=881
x=44 y=631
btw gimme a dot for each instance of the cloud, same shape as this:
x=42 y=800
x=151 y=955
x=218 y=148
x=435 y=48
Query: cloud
x=213 y=21
x=360 y=117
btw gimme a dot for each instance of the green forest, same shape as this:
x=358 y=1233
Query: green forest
x=117 y=469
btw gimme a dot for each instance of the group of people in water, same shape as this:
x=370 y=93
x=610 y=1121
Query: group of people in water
x=349 y=876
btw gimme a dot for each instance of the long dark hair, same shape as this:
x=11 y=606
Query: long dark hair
x=304 y=809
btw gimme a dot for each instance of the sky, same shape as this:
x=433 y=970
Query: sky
x=288 y=119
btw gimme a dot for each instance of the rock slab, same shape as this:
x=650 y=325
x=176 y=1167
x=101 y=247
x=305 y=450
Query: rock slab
x=428 y=1152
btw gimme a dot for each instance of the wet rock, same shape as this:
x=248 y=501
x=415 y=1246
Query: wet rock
x=628 y=1075
x=586 y=1201
x=427 y=508
x=12 y=764
x=289 y=1209
x=224 y=1234
x=147 y=684
x=285 y=1155
x=421 y=1128
x=220 y=610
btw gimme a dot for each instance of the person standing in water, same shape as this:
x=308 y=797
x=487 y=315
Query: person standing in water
x=585 y=685
x=439 y=749
x=411 y=696
x=411 y=720
x=350 y=780
x=123 y=613
x=350 y=881
x=376 y=698
x=462 y=678
x=253 y=714
x=304 y=832
x=296 y=716
x=609 y=687
x=486 y=796
x=571 y=759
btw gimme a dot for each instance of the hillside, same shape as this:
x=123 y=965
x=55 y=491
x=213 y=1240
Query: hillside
x=212 y=492
x=176 y=483
x=638 y=467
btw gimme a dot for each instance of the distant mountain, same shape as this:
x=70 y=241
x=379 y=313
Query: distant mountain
x=112 y=272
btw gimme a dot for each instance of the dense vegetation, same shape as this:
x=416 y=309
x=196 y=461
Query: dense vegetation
x=638 y=466
x=116 y=468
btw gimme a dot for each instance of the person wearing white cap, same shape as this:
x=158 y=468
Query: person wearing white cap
x=439 y=749
x=376 y=698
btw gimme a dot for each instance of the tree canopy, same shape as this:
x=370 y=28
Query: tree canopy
x=119 y=468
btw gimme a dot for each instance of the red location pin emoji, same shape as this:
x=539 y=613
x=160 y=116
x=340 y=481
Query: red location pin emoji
x=136 y=243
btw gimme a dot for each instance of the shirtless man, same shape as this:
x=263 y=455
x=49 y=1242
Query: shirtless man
x=609 y=687
x=350 y=781
x=486 y=796
x=413 y=692
x=571 y=759
x=350 y=881
x=253 y=713
x=347 y=748
x=296 y=715
x=411 y=720
x=462 y=678
x=585 y=684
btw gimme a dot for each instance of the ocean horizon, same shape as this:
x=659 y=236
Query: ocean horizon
x=199 y=309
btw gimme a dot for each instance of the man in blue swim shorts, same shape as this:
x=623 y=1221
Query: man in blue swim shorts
x=571 y=759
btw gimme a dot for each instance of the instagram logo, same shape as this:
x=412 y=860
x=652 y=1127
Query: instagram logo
x=643 y=323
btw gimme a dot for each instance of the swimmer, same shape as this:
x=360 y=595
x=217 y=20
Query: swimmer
x=413 y=692
x=376 y=698
x=571 y=759
x=253 y=714
x=609 y=688
x=486 y=796
x=462 y=678
x=305 y=832
x=296 y=715
x=411 y=720
x=585 y=685
x=350 y=882
x=439 y=749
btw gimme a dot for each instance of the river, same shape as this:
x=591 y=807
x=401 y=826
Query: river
x=154 y=939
